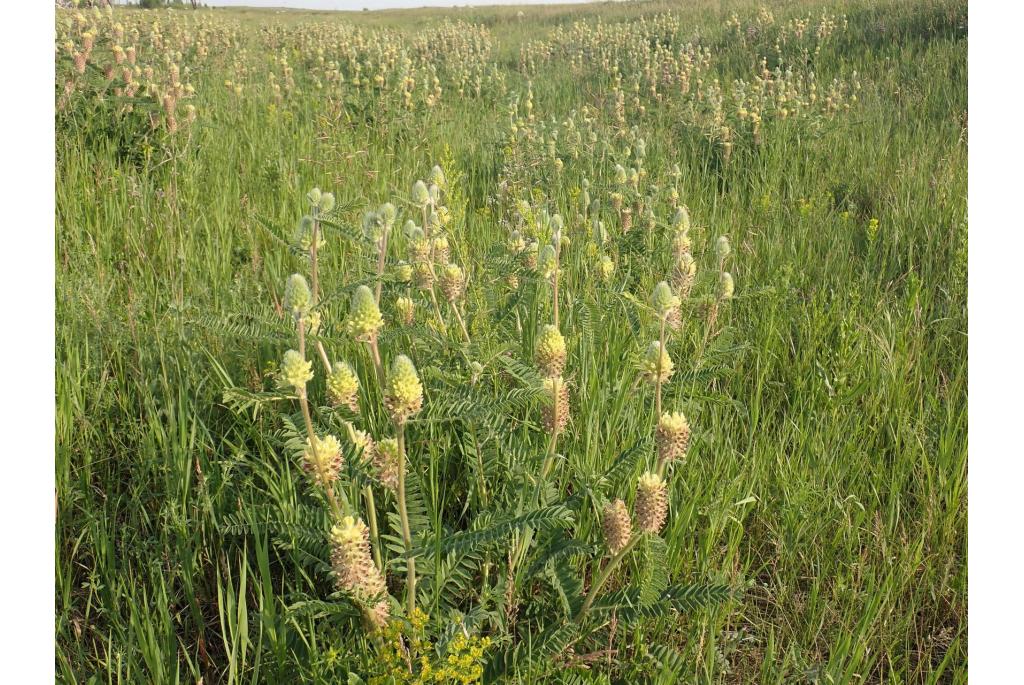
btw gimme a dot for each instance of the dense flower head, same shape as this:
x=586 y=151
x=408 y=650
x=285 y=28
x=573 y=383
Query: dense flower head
x=420 y=195
x=295 y=370
x=616 y=526
x=326 y=203
x=388 y=214
x=302 y=237
x=529 y=255
x=725 y=286
x=681 y=220
x=354 y=571
x=343 y=386
x=550 y=353
x=606 y=267
x=403 y=272
x=364 y=317
x=651 y=503
x=547 y=261
x=297 y=296
x=722 y=247
x=664 y=300
x=322 y=459
x=681 y=243
x=672 y=436
x=374 y=226
x=685 y=274
x=516 y=243
x=437 y=177
x=439 y=249
x=453 y=282
x=403 y=392
x=656 y=364
x=620 y=175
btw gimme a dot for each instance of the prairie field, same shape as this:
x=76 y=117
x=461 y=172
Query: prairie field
x=594 y=343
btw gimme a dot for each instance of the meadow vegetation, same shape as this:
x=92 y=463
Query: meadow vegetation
x=606 y=343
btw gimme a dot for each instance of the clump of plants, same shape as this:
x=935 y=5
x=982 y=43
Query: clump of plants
x=525 y=569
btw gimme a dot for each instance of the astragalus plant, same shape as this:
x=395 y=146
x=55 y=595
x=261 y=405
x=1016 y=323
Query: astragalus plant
x=441 y=451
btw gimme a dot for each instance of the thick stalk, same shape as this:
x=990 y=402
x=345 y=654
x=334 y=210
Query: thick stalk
x=437 y=309
x=377 y=365
x=383 y=248
x=403 y=515
x=462 y=323
x=657 y=386
x=603 y=576
x=558 y=253
x=371 y=520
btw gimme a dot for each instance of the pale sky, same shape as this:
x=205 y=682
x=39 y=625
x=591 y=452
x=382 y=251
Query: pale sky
x=376 y=4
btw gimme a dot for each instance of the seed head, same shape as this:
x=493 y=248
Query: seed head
x=295 y=370
x=555 y=414
x=423 y=275
x=322 y=459
x=406 y=309
x=550 y=353
x=685 y=274
x=439 y=250
x=343 y=386
x=297 y=297
x=627 y=219
x=385 y=459
x=651 y=503
x=656 y=365
x=354 y=571
x=672 y=436
x=616 y=525
x=364 y=317
x=403 y=392
x=530 y=254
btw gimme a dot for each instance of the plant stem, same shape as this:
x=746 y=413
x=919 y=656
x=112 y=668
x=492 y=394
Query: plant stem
x=403 y=514
x=657 y=387
x=462 y=323
x=371 y=520
x=336 y=507
x=603 y=576
x=437 y=309
x=383 y=247
x=377 y=365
